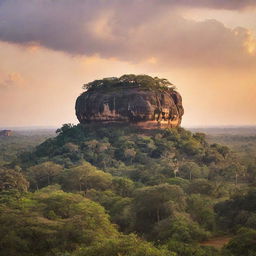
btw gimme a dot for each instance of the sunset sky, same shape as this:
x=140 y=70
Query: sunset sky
x=50 y=48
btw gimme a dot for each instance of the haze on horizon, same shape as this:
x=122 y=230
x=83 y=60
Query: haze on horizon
x=49 y=49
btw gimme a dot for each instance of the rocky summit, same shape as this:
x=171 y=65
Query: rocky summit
x=6 y=133
x=142 y=100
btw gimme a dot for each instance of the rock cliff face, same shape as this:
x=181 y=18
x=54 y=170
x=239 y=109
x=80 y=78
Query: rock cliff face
x=142 y=100
x=5 y=133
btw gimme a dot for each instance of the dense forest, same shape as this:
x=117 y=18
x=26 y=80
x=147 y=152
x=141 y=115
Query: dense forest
x=22 y=140
x=122 y=191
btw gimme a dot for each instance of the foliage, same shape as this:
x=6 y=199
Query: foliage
x=201 y=210
x=150 y=157
x=124 y=245
x=21 y=142
x=185 y=249
x=239 y=211
x=242 y=244
x=143 y=81
x=179 y=228
x=84 y=177
x=43 y=174
x=90 y=183
x=153 y=204
x=51 y=220
x=11 y=179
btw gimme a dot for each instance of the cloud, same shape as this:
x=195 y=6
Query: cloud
x=215 y=4
x=133 y=31
x=12 y=80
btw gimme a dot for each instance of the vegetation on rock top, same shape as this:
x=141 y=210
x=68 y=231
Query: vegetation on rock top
x=130 y=81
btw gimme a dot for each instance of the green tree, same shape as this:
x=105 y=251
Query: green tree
x=11 y=179
x=84 y=177
x=201 y=210
x=125 y=245
x=123 y=186
x=44 y=174
x=243 y=243
x=237 y=212
x=51 y=222
x=200 y=186
x=185 y=249
x=119 y=208
x=190 y=170
x=180 y=229
x=155 y=203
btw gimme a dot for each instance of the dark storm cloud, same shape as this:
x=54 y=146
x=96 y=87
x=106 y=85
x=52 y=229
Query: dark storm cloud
x=215 y=4
x=133 y=30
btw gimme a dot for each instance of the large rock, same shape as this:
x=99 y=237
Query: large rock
x=6 y=133
x=142 y=100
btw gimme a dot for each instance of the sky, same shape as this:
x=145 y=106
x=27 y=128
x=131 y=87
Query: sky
x=50 y=48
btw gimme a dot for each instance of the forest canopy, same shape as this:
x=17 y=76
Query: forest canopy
x=121 y=190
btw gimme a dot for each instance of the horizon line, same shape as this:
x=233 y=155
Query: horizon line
x=33 y=127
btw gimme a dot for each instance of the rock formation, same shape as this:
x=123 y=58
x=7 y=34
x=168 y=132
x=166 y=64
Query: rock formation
x=142 y=100
x=6 y=133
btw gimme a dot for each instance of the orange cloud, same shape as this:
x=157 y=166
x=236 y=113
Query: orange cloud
x=250 y=43
x=12 y=80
